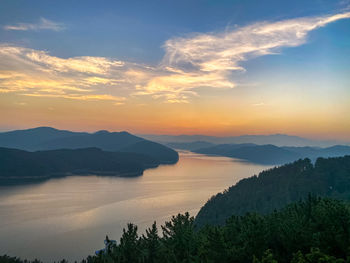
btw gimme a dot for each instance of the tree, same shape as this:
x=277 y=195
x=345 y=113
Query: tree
x=179 y=238
x=129 y=249
x=151 y=244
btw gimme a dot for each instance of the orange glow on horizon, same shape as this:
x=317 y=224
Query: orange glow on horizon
x=219 y=118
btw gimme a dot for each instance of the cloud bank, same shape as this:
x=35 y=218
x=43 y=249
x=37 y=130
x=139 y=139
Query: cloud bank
x=189 y=64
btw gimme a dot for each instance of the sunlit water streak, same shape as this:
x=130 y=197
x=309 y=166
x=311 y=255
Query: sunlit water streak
x=69 y=217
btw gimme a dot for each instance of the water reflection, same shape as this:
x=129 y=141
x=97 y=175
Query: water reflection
x=71 y=216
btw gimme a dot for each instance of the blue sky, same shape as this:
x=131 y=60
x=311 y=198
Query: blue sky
x=134 y=54
x=137 y=29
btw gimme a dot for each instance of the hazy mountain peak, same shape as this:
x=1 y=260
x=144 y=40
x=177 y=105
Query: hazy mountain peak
x=101 y=132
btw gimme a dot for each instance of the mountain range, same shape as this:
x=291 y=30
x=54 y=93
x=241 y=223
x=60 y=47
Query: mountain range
x=271 y=154
x=47 y=138
x=275 y=139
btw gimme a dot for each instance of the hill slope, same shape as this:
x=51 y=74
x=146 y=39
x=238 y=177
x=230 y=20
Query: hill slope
x=154 y=150
x=279 y=186
x=17 y=165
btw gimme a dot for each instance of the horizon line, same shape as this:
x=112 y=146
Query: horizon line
x=176 y=135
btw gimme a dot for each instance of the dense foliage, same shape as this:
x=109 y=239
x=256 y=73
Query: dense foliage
x=301 y=232
x=279 y=186
x=310 y=231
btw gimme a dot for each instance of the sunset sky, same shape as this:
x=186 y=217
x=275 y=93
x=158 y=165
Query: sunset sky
x=177 y=67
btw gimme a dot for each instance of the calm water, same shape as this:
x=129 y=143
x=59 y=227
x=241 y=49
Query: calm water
x=69 y=217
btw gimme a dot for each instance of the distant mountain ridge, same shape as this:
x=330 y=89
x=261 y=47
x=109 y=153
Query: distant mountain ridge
x=47 y=138
x=274 y=139
x=271 y=154
x=31 y=139
x=191 y=146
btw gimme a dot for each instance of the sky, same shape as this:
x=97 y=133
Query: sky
x=220 y=67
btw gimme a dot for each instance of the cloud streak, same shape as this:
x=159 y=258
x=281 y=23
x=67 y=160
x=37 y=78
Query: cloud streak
x=223 y=52
x=189 y=64
x=208 y=60
x=43 y=24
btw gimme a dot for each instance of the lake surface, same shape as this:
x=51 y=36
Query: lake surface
x=70 y=217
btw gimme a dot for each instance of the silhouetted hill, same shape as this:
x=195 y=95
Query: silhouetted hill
x=222 y=149
x=18 y=164
x=270 y=154
x=32 y=139
x=153 y=149
x=279 y=186
x=191 y=146
x=263 y=154
x=44 y=138
x=275 y=139
x=312 y=152
x=108 y=141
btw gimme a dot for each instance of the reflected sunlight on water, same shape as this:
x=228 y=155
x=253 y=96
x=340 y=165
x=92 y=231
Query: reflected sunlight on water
x=70 y=216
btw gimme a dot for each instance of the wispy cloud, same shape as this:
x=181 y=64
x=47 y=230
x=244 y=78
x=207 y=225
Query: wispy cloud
x=43 y=24
x=209 y=59
x=189 y=64
x=224 y=51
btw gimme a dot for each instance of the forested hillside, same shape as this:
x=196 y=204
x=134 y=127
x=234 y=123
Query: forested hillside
x=17 y=166
x=279 y=186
